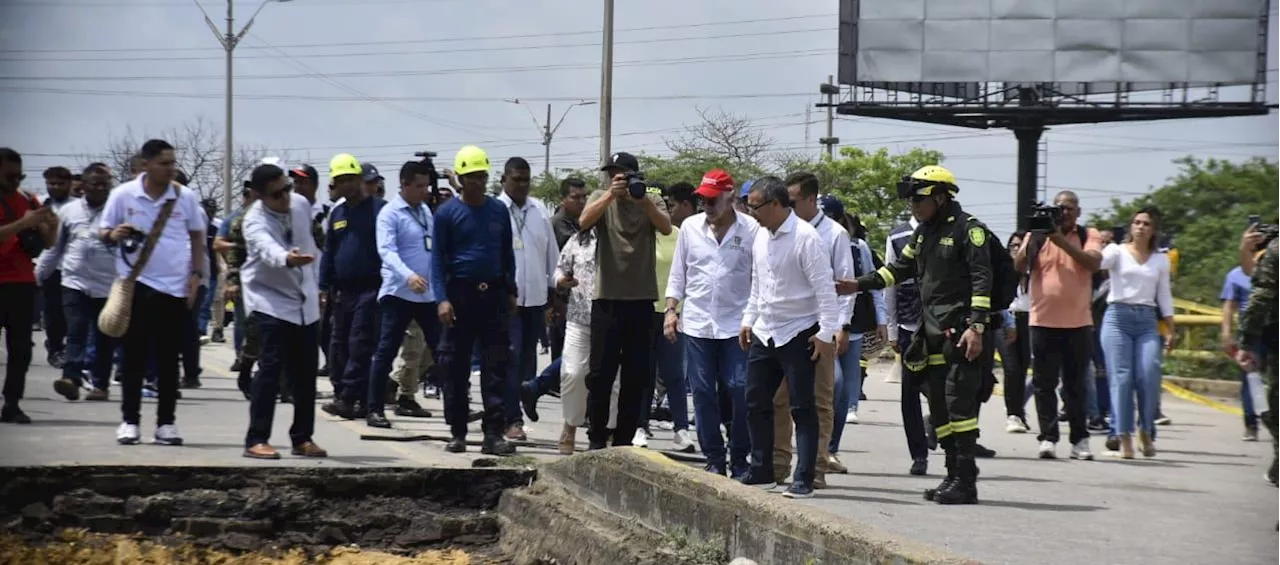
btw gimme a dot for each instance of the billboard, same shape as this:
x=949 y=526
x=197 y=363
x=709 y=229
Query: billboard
x=1053 y=41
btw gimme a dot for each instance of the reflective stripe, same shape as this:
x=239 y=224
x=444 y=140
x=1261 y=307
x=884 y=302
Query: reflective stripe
x=887 y=275
x=964 y=426
x=909 y=251
x=936 y=359
x=983 y=302
x=943 y=430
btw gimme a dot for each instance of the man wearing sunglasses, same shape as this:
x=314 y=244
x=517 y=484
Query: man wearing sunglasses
x=950 y=256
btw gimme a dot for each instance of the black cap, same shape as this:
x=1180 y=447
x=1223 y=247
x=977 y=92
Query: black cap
x=369 y=173
x=306 y=172
x=625 y=161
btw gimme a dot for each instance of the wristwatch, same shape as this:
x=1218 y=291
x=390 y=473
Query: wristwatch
x=978 y=327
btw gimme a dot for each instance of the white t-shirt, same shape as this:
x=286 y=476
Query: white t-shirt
x=1142 y=284
x=170 y=263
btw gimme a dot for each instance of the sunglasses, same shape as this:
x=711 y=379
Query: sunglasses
x=755 y=207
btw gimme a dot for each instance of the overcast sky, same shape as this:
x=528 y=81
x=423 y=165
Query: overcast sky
x=314 y=76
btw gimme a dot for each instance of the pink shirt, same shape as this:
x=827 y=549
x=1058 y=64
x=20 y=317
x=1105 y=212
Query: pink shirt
x=1061 y=288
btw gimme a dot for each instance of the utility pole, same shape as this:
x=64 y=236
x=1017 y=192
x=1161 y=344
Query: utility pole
x=229 y=40
x=546 y=143
x=548 y=131
x=606 y=84
x=830 y=141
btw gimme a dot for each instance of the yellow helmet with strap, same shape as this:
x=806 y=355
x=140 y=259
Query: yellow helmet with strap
x=924 y=179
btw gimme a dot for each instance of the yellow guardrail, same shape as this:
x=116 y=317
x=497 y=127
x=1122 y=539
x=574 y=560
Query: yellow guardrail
x=1197 y=308
x=1197 y=319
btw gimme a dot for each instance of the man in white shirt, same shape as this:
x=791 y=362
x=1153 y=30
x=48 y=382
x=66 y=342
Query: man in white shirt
x=803 y=188
x=536 y=253
x=790 y=324
x=711 y=273
x=165 y=292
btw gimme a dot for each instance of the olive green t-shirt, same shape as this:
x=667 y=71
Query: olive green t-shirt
x=626 y=253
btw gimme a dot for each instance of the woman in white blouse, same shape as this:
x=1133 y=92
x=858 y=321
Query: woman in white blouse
x=1140 y=295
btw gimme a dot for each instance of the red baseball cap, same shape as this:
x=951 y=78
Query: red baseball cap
x=714 y=183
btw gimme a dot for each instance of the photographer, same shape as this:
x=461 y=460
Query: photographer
x=26 y=229
x=1060 y=257
x=627 y=219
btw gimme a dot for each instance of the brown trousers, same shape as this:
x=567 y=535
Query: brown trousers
x=825 y=378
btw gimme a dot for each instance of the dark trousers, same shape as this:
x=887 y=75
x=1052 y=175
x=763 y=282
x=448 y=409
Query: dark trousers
x=283 y=345
x=326 y=333
x=17 y=316
x=81 y=312
x=191 y=338
x=1015 y=359
x=1061 y=355
x=55 y=322
x=912 y=417
x=156 y=327
x=767 y=365
x=557 y=335
x=526 y=325
x=355 y=333
x=621 y=337
x=480 y=313
x=396 y=315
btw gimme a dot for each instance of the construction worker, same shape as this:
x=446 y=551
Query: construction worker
x=950 y=256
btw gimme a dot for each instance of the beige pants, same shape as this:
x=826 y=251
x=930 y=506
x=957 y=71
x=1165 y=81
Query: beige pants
x=414 y=360
x=825 y=377
x=575 y=363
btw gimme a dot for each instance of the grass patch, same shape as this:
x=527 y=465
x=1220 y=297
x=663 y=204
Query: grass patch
x=693 y=550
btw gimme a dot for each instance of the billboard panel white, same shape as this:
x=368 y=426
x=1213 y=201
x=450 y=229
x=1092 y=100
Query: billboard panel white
x=1065 y=41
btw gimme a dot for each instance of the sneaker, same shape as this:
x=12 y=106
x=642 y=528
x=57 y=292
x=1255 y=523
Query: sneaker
x=1081 y=450
x=1016 y=425
x=919 y=467
x=1250 y=434
x=431 y=391
x=1048 y=450
x=641 y=439
x=127 y=434
x=751 y=481
x=851 y=417
x=1162 y=420
x=168 y=435
x=798 y=490
x=684 y=442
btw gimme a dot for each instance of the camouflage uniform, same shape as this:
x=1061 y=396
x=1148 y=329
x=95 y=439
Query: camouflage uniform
x=1258 y=327
x=236 y=256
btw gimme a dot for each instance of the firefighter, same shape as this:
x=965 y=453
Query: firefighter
x=950 y=255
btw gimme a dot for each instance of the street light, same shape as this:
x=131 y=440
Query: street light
x=229 y=40
x=547 y=130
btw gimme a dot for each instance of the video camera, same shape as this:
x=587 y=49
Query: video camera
x=432 y=174
x=636 y=184
x=1044 y=218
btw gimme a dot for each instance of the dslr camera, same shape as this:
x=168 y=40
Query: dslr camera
x=133 y=242
x=636 y=184
x=1044 y=218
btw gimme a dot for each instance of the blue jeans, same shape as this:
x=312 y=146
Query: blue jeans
x=549 y=379
x=204 y=308
x=396 y=314
x=716 y=364
x=1246 y=399
x=667 y=361
x=526 y=325
x=1132 y=345
x=848 y=387
x=81 y=312
x=767 y=365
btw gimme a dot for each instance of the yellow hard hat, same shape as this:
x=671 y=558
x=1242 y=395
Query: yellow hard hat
x=924 y=179
x=343 y=164
x=470 y=159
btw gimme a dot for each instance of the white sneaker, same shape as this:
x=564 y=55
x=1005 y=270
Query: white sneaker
x=127 y=434
x=1015 y=425
x=852 y=417
x=641 y=439
x=168 y=435
x=1048 y=450
x=1081 y=450
x=684 y=442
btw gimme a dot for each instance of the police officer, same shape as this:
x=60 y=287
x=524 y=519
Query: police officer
x=950 y=256
x=1258 y=330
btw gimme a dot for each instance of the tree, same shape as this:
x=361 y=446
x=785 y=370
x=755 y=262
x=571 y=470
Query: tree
x=866 y=181
x=1205 y=206
x=722 y=137
x=198 y=148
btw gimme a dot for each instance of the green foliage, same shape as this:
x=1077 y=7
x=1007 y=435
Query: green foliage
x=689 y=549
x=689 y=166
x=866 y=181
x=1206 y=206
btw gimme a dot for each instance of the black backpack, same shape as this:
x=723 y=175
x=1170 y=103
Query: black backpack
x=1004 y=278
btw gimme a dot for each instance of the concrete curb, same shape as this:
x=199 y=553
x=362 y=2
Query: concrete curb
x=665 y=496
x=1207 y=387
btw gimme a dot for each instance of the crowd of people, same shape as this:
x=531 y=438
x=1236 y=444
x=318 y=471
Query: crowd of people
x=760 y=301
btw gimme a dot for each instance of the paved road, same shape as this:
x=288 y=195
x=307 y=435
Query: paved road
x=1202 y=500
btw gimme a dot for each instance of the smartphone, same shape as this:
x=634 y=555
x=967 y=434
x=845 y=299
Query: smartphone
x=1254 y=219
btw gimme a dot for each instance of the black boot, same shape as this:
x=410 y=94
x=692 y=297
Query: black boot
x=529 y=395
x=495 y=444
x=932 y=493
x=456 y=445
x=964 y=489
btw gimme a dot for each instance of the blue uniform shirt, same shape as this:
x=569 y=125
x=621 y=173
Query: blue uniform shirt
x=473 y=243
x=350 y=260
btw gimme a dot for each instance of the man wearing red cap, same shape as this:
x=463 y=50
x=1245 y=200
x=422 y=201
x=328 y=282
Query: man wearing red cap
x=711 y=273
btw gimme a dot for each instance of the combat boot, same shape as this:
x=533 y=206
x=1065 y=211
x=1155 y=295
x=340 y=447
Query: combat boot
x=930 y=494
x=964 y=489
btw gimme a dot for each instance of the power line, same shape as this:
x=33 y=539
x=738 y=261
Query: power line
x=469 y=99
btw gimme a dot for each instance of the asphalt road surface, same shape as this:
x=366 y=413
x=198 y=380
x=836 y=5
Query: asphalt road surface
x=1201 y=500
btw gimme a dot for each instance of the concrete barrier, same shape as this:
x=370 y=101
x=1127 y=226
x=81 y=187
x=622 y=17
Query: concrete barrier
x=648 y=489
x=1208 y=387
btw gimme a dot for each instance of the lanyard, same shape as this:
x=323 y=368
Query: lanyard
x=420 y=217
x=521 y=219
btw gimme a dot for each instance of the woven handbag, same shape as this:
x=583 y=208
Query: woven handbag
x=113 y=321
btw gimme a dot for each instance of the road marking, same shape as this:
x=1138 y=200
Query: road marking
x=1200 y=399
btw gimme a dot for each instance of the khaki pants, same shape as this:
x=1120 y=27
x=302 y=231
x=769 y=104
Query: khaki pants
x=414 y=360
x=825 y=377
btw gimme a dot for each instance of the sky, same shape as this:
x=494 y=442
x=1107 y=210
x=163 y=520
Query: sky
x=382 y=79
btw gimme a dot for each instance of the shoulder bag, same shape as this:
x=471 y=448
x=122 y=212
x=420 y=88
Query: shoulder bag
x=114 y=319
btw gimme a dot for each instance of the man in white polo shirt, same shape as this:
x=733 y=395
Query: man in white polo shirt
x=164 y=294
